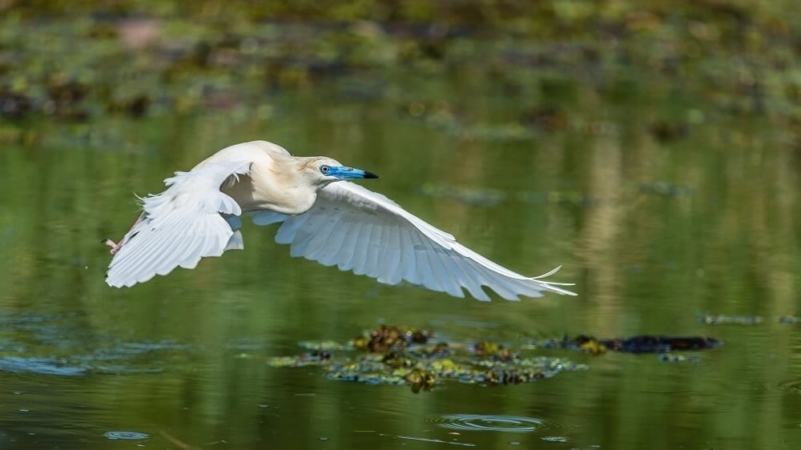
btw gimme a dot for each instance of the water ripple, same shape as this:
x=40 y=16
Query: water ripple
x=481 y=422
x=791 y=386
x=131 y=435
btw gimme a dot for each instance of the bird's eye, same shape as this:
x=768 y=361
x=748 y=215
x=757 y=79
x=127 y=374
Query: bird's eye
x=324 y=169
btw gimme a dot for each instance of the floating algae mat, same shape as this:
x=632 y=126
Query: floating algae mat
x=415 y=357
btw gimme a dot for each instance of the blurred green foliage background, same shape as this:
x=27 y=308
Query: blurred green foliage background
x=72 y=60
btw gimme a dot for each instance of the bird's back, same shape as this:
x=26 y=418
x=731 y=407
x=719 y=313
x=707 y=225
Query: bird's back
x=247 y=151
x=271 y=182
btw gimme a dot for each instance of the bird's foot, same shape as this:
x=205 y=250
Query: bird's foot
x=115 y=246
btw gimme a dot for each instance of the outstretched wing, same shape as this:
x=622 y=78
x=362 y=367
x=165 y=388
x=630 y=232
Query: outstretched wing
x=363 y=231
x=180 y=226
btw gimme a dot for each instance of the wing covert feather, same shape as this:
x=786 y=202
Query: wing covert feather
x=367 y=233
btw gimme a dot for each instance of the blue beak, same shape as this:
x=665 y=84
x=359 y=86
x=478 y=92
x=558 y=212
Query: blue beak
x=346 y=173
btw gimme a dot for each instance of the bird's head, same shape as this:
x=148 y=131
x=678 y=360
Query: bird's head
x=322 y=171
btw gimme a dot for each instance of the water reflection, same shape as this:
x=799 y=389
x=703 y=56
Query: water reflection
x=188 y=353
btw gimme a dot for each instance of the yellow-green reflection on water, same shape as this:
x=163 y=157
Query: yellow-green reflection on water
x=652 y=233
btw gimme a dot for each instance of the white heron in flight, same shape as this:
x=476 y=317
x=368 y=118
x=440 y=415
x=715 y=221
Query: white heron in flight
x=324 y=218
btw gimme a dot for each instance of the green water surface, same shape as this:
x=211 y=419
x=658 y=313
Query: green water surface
x=656 y=228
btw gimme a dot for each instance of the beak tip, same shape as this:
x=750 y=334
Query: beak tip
x=369 y=175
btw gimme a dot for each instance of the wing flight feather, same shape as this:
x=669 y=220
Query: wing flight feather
x=180 y=226
x=367 y=233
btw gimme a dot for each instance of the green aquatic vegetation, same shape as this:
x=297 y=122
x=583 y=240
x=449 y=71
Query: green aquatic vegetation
x=408 y=356
x=391 y=337
x=425 y=374
x=306 y=359
x=421 y=380
x=659 y=344
x=438 y=350
x=633 y=344
x=670 y=357
x=471 y=196
x=494 y=352
x=724 y=319
x=328 y=346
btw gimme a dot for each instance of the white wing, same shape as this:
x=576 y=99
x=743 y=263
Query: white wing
x=180 y=225
x=363 y=231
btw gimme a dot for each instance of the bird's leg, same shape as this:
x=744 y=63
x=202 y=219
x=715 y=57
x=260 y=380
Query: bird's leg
x=116 y=246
